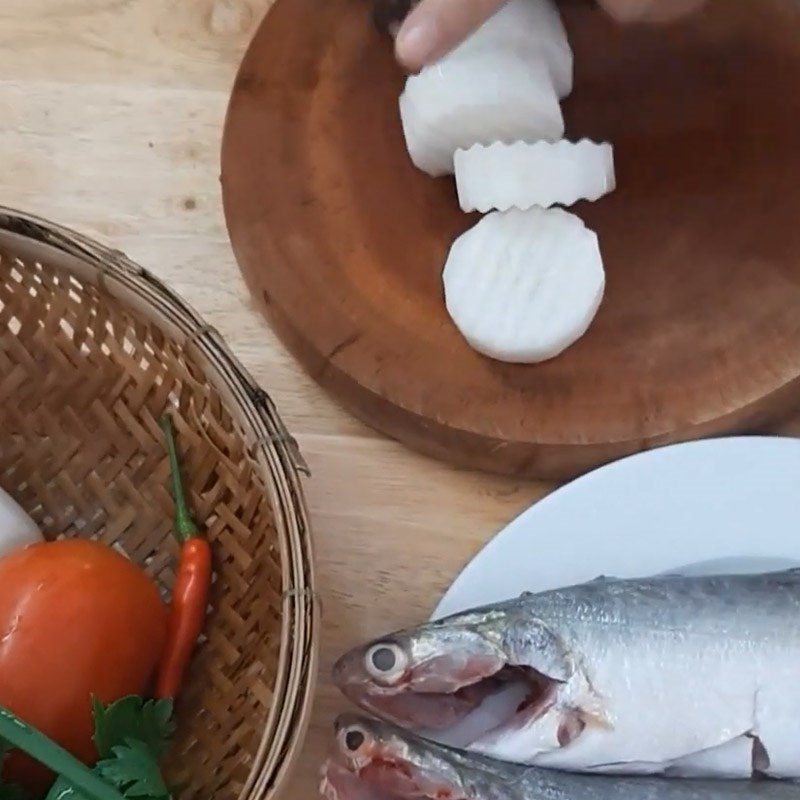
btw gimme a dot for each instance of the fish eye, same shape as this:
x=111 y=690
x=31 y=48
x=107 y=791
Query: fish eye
x=353 y=739
x=385 y=662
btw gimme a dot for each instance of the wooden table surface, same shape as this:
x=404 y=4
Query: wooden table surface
x=112 y=114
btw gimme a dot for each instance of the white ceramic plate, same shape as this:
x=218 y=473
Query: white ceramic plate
x=716 y=505
x=713 y=506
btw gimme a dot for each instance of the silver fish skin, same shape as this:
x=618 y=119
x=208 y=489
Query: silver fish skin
x=374 y=760
x=624 y=676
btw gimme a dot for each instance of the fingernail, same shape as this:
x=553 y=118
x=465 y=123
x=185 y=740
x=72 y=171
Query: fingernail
x=415 y=43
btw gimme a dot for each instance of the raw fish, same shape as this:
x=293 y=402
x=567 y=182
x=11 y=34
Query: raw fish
x=373 y=760
x=622 y=675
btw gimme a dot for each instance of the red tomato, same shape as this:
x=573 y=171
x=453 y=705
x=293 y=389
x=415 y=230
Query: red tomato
x=76 y=619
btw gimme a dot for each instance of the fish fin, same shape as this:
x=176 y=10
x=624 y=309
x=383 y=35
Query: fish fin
x=595 y=718
x=731 y=759
x=570 y=727
x=627 y=768
x=760 y=757
x=592 y=711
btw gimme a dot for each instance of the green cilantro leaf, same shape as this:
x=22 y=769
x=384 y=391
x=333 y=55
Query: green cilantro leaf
x=131 y=736
x=134 y=771
x=149 y=722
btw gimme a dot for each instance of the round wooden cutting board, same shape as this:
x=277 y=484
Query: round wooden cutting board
x=343 y=242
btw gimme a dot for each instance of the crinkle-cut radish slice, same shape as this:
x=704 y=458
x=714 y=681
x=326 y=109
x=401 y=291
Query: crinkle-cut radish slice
x=520 y=175
x=472 y=98
x=522 y=286
x=529 y=25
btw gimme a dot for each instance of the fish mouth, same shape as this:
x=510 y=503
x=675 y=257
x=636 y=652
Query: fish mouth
x=382 y=780
x=408 y=707
x=382 y=773
x=340 y=783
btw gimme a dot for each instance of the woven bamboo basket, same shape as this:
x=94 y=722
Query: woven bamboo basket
x=94 y=349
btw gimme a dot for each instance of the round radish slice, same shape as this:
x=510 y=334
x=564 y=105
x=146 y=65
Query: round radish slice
x=522 y=286
x=479 y=97
x=521 y=175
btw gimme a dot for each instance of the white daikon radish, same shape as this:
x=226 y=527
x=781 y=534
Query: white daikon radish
x=543 y=174
x=478 y=97
x=17 y=529
x=522 y=286
x=533 y=25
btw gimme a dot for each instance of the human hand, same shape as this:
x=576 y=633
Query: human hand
x=434 y=27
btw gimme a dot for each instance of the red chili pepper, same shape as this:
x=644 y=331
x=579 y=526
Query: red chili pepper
x=192 y=584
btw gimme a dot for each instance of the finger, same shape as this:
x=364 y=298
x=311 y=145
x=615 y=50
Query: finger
x=650 y=10
x=435 y=27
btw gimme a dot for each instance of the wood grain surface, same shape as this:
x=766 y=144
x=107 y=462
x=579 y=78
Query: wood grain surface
x=112 y=118
x=343 y=241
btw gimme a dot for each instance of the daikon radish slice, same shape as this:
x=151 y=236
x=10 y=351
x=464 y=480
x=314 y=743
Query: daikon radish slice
x=533 y=25
x=477 y=98
x=503 y=176
x=522 y=286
